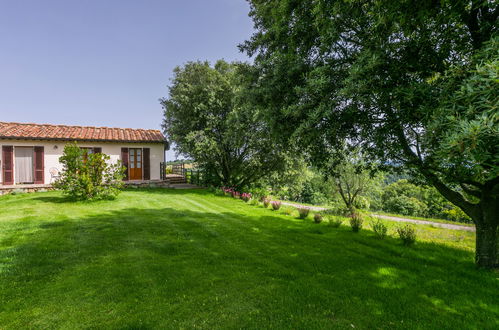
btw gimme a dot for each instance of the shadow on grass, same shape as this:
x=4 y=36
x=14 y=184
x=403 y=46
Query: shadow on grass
x=180 y=268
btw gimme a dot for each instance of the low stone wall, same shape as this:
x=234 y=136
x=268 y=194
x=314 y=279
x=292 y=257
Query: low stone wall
x=148 y=184
x=31 y=188
x=22 y=190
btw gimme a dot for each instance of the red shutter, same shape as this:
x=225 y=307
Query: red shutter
x=39 y=165
x=7 y=165
x=147 y=164
x=124 y=161
x=97 y=150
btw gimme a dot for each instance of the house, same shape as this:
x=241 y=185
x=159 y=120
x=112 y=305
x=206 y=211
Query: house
x=30 y=152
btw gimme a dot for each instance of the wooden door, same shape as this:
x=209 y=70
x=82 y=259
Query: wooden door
x=135 y=163
x=7 y=165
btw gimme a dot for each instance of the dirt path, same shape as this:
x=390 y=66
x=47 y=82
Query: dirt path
x=398 y=219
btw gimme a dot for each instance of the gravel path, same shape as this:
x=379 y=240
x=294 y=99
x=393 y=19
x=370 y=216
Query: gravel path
x=391 y=218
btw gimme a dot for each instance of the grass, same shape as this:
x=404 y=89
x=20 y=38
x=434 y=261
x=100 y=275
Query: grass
x=188 y=259
x=367 y=213
x=425 y=219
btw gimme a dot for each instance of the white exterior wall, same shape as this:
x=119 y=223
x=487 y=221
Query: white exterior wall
x=112 y=149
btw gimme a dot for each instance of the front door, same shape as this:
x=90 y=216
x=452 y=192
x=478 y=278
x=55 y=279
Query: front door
x=135 y=163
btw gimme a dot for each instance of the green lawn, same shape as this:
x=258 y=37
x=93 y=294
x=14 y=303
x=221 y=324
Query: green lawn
x=188 y=259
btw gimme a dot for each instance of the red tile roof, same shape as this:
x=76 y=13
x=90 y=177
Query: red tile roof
x=23 y=131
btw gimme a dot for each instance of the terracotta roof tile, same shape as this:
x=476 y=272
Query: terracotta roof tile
x=77 y=133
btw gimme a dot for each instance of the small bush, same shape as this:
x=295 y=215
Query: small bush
x=379 y=228
x=317 y=218
x=407 y=234
x=89 y=176
x=287 y=210
x=276 y=205
x=266 y=202
x=335 y=221
x=246 y=197
x=227 y=191
x=219 y=193
x=303 y=212
x=254 y=202
x=356 y=222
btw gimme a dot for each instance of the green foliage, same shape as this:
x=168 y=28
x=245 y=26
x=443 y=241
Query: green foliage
x=318 y=218
x=407 y=234
x=334 y=221
x=411 y=83
x=379 y=228
x=356 y=222
x=352 y=178
x=454 y=213
x=465 y=127
x=406 y=206
x=266 y=202
x=259 y=193
x=287 y=210
x=303 y=212
x=88 y=176
x=406 y=198
x=276 y=205
x=210 y=119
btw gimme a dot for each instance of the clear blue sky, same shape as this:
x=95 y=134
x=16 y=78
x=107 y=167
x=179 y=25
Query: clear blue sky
x=107 y=62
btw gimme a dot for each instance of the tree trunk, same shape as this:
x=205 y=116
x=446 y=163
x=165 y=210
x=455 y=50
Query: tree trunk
x=486 y=254
x=486 y=246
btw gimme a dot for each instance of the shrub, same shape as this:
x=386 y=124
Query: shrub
x=219 y=193
x=379 y=228
x=89 y=176
x=407 y=234
x=335 y=221
x=259 y=193
x=266 y=202
x=287 y=210
x=276 y=205
x=406 y=206
x=303 y=212
x=236 y=194
x=456 y=214
x=246 y=197
x=254 y=201
x=356 y=222
x=362 y=203
x=227 y=191
x=317 y=218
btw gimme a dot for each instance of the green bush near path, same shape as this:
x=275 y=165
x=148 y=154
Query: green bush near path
x=161 y=258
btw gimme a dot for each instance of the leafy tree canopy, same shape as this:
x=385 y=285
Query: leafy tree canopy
x=411 y=82
x=210 y=119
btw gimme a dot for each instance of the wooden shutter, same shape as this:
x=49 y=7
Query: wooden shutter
x=97 y=150
x=8 y=165
x=146 y=163
x=39 y=165
x=124 y=161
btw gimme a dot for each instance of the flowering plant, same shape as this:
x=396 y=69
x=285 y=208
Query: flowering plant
x=246 y=197
x=276 y=205
x=227 y=191
x=266 y=202
x=303 y=212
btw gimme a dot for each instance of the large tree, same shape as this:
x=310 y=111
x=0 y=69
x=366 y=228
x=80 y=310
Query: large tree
x=209 y=118
x=411 y=82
